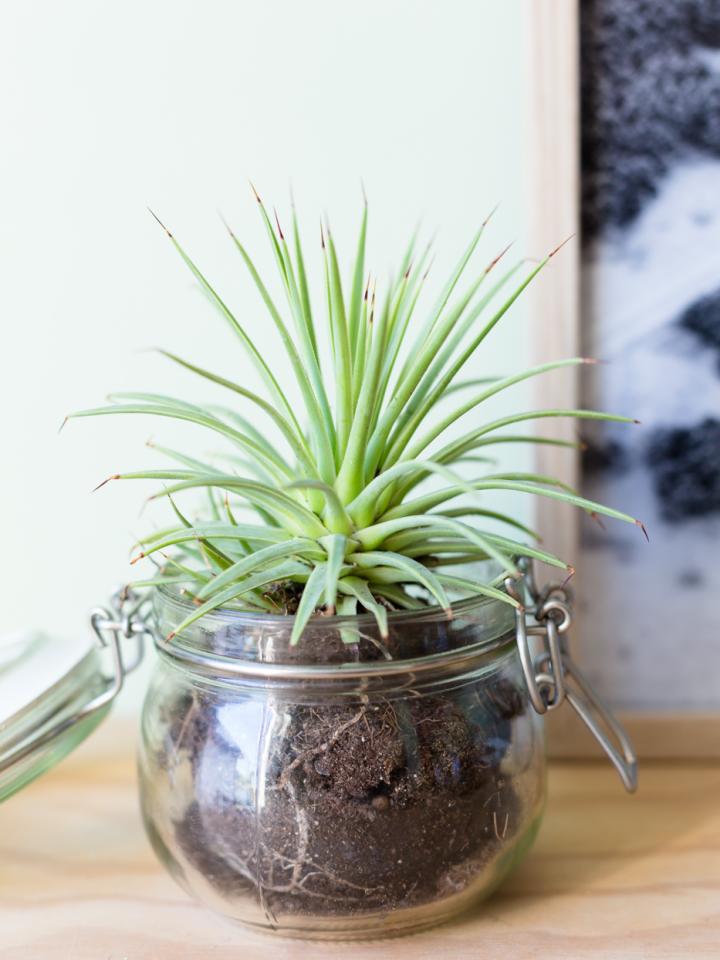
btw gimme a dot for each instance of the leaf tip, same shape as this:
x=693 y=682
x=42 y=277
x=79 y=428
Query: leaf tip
x=277 y=221
x=489 y=217
x=498 y=258
x=594 y=516
x=226 y=224
x=115 y=476
x=639 y=523
x=560 y=246
x=157 y=218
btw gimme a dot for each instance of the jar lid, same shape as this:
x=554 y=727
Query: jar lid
x=54 y=692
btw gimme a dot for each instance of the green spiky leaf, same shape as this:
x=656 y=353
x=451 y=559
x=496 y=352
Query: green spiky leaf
x=329 y=458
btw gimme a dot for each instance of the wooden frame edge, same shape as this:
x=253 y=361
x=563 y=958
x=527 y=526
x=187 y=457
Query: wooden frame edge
x=553 y=79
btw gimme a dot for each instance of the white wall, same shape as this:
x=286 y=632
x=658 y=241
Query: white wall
x=108 y=107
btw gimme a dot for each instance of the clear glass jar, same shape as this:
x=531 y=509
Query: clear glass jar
x=346 y=787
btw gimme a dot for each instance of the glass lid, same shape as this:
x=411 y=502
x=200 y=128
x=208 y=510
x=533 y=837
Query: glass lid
x=54 y=692
x=44 y=683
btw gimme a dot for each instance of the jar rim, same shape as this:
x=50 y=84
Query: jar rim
x=430 y=613
x=481 y=626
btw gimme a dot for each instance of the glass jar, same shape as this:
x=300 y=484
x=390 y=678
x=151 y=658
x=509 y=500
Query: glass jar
x=350 y=786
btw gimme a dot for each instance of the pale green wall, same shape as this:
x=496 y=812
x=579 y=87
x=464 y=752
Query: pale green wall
x=112 y=106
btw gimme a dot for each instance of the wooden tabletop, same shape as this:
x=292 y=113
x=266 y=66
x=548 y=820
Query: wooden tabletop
x=611 y=876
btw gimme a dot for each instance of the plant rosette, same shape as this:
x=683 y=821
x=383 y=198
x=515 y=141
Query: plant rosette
x=342 y=737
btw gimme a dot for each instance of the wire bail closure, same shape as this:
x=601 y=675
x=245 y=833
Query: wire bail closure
x=552 y=676
x=124 y=620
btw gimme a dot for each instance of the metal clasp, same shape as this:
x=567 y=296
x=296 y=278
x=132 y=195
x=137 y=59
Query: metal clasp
x=123 y=620
x=551 y=674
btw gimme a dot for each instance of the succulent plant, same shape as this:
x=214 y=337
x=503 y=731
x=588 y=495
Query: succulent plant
x=343 y=519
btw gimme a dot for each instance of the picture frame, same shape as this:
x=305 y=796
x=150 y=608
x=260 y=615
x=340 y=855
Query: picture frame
x=554 y=119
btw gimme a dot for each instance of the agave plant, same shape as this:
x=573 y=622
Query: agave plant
x=338 y=517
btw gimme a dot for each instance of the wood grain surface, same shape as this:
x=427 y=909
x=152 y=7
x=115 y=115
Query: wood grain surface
x=611 y=876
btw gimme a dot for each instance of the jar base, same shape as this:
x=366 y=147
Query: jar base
x=406 y=921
